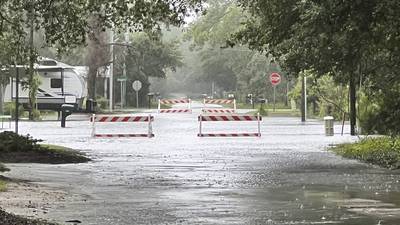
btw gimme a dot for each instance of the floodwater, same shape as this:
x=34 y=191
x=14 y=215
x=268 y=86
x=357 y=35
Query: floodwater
x=285 y=177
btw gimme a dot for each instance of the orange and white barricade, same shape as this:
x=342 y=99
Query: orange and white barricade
x=219 y=101
x=175 y=101
x=229 y=118
x=121 y=119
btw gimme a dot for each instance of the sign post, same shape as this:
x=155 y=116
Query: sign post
x=122 y=81
x=137 y=85
x=275 y=79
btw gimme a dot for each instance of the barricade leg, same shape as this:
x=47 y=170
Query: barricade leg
x=200 y=125
x=150 y=131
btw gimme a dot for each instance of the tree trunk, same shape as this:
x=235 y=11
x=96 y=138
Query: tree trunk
x=92 y=82
x=353 y=111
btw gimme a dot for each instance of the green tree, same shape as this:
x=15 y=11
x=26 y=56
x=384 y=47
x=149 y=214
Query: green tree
x=147 y=56
x=342 y=38
x=232 y=68
x=65 y=24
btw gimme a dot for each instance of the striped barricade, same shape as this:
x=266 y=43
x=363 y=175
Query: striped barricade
x=121 y=119
x=229 y=118
x=218 y=111
x=219 y=101
x=175 y=101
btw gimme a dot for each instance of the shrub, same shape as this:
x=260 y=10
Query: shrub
x=382 y=151
x=10 y=141
x=9 y=109
x=3 y=168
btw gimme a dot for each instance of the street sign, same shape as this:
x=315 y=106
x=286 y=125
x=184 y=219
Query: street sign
x=137 y=85
x=275 y=79
x=121 y=79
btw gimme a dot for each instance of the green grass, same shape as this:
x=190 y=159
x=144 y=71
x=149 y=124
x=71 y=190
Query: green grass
x=382 y=151
x=3 y=186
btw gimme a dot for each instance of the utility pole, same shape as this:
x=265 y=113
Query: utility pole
x=16 y=98
x=31 y=62
x=111 y=88
x=124 y=72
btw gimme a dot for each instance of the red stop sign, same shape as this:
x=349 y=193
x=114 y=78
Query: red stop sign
x=275 y=79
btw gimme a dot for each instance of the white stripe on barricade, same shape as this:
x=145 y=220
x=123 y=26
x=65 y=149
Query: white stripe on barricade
x=219 y=101
x=175 y=111
x=227 y=118
x=231 y=135
x=218 y=111
x=174 y=101
x=122 y=135
x=121 y=119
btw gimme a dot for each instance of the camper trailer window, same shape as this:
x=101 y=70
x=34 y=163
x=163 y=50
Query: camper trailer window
x=55 y=83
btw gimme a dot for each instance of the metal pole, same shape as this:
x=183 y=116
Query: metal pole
x=93 y=125
x=111 y=88
x=305 y=97
x=159 y=105
x=16 y=99
x=62 y=81
x=122 y=93
x=274 y=96
x=234 y=104
x=259 y=124
x=137 y=99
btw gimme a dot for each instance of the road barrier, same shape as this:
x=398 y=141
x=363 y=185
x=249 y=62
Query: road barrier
x=227 y=118
x=174 y=101
x=219 y=101
x=121 y=119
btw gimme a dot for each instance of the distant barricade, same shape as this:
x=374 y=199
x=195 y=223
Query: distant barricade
x=175 y=101
x=219 y=101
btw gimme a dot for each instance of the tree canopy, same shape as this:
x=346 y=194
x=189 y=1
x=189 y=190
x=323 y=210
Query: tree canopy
x=353 y=41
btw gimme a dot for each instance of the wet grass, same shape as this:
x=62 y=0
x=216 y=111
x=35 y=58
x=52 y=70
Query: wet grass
x=381 y=151
x=3 y=185
x=24 y=149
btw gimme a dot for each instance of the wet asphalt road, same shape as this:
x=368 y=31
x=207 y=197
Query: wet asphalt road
x=285 y=177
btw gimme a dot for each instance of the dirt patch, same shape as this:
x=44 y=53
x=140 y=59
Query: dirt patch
x=27 y=200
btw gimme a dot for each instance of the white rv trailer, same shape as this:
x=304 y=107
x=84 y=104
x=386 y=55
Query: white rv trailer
x=59 y=84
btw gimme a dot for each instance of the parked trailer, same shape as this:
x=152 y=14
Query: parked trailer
x=59 y=84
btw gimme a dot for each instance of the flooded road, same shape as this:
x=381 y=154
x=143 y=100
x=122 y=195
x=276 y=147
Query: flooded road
x=285 y=177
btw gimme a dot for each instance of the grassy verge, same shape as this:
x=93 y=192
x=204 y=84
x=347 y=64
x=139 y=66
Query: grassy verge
x=20 y=149
x=382 y=151
x=3 y=185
